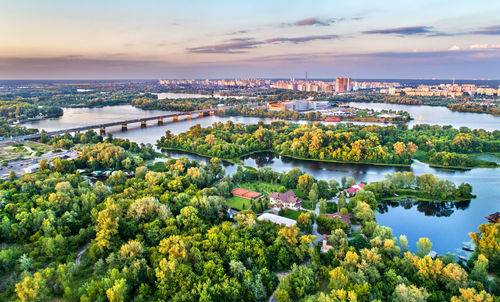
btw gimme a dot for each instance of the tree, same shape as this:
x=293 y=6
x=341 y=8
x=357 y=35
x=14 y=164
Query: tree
x=44 y=165
x=470 y=294
x=338 y=239
x=350 y=181
x=33 y=288
x=424 y=247
x=364 y=212
x=313 y=194
x=334 y=184
x=305 y=183
x=25 y=262
x=322 y=206
x=12 y=175
x=342 y=202
x=365 y=196
x=338 y=280
x=117 y=293
x=343 y=181
x=487 y=242
x=140 y=172
x=409 y=294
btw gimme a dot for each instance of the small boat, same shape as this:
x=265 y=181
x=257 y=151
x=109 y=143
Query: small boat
x=462 y=258
x=468 y=249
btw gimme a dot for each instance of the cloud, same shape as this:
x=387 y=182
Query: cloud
x=489 y=30
x=302 y=39
x=455 y=47
x=238 y=45
x=313 y=21
x=484 y=46
x=242 y=45
x=403 y=31
x=238 y=32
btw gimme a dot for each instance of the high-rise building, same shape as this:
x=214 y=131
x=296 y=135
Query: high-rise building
x=342 y=84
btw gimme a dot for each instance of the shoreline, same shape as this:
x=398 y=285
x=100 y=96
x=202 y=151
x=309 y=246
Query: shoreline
x=238 y=160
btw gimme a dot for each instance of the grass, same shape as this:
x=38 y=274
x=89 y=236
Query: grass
x=264 y=187
x=237 y=202
x=261 y=187
x=293 y=214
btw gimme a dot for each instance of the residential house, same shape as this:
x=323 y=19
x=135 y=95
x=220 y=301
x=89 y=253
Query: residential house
x=337 y=215
x=287 y=200
x=352 y=190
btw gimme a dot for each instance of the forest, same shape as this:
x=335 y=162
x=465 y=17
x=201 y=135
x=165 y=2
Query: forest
x=476 y=108
x=394 y=99
x=440 y=146
x=166 y=235
x=7 y=130
x=20 y=111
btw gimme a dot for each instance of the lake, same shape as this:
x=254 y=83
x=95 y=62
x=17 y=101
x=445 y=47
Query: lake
x=446 y=224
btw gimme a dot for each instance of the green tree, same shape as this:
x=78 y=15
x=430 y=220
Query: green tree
x=424 y=246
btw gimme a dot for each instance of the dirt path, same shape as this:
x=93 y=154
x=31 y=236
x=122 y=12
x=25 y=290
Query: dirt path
x=80 y=253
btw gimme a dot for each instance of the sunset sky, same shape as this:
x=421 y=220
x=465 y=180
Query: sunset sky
x=65 y=39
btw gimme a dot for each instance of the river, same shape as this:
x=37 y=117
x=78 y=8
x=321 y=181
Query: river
x=446 y=224
x=438 y=115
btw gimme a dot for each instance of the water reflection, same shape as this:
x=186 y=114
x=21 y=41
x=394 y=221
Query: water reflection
x=428 y=208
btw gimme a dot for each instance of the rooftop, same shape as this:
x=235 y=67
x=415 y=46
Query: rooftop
x=276 y=219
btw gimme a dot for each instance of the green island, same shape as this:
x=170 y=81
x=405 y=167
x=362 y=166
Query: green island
x=439 y=146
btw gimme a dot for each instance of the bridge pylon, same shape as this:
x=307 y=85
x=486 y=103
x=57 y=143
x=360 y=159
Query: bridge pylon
x=188 y=117
x=143 y=124
x=124 y=126
x=175 y=118
x=102 y=130
x=160 y=121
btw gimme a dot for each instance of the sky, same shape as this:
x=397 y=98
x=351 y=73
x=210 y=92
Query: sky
x=151 y=39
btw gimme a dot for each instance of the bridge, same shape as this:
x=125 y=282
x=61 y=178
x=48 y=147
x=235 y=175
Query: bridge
x=124 y=124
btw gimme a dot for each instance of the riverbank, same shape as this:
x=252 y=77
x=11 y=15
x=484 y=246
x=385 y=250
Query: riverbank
x=477 y=163
x=239 y=160
x=403 y=195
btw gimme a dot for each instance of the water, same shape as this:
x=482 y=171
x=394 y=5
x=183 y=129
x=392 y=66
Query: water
x=437 y=115
x=446 y=224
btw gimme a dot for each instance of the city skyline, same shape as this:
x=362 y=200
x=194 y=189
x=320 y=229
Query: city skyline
x=237 y=39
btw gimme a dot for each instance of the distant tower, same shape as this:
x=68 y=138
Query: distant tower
x=306 y=76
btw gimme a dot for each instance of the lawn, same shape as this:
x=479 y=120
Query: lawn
x=237 y=202
x=265 y=187
x=293 y=214
x=261 y=187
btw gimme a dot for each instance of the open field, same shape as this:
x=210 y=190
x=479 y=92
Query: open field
x=237 y=202
x=261 y=187
x=13 y=151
